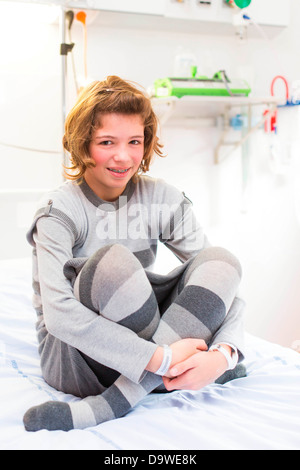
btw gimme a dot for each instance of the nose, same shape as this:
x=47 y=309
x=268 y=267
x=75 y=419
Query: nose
x=121 y=154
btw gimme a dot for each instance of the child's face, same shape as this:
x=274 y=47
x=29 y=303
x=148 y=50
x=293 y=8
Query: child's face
x=117 y=147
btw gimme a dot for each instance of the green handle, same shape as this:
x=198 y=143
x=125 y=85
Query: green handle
x=242 y=3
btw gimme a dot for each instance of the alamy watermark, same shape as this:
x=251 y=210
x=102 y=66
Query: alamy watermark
x=139 y=221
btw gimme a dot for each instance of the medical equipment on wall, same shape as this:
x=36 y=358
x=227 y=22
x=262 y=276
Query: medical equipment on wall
x=282 y=127
x=218 y=85
x=290 y=100
x=184 y=60
x=66 y=48
x=238 y=3
x=81 y=17
x=66 y=23
x=241 y=19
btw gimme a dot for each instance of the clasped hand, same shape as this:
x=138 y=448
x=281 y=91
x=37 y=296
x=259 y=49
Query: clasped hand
x=193 y=366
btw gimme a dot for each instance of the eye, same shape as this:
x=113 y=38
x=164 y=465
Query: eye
x=135 y=142
x=106 y=142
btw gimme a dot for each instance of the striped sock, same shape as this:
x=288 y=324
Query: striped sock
x=196 y=308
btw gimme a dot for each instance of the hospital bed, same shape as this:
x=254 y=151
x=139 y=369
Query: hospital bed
x=261 y=411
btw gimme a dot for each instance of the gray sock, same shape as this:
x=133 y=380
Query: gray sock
x=238 y=372
x=54 y=415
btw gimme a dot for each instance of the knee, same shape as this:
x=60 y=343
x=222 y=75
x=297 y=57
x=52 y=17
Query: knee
x=122 y=256
x=111 y=252
x=104 y=273
x=226 y=256
x=113 y=261
x=219 y=254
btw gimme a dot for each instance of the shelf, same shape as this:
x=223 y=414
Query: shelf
x=158 y=16
x=196 y=108
x=214 y=105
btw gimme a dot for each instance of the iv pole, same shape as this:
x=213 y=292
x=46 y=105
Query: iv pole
x=64 y=50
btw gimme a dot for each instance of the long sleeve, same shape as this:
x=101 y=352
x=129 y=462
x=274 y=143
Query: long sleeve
x=185 y=240
x=68 y=320
x=232 y=329
x=181 y=231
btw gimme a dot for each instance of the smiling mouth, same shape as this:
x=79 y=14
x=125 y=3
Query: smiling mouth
x=125 y=170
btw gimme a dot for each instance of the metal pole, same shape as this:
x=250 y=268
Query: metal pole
x=62 y=25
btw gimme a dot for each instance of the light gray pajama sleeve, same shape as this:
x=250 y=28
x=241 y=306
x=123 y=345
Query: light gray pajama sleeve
x=70 y=321
x=232 y=330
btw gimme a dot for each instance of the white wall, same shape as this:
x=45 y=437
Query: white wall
x=30 y=102
x=265 y=236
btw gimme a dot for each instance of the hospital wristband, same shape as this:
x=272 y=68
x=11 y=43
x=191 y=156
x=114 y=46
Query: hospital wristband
x=230 y=360
x=166 y=362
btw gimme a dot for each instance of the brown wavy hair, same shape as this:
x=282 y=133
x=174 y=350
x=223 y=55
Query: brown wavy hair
x=113 y=95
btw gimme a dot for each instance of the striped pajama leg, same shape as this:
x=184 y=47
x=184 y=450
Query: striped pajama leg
x=114 y=283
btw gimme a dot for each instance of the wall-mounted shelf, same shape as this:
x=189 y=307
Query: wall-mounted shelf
x=181 y=17
x=205 y=107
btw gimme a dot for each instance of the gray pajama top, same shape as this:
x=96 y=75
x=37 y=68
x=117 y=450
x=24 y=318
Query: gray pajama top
x=70 y=225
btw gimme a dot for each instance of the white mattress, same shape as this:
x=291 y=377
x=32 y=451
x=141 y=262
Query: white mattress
x=261 y=411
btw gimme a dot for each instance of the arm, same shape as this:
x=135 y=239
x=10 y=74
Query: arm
x=204 y=368
x=185 y=240
x=182 y=233
x=67 y=319
x=232 y=329
x=181 y=350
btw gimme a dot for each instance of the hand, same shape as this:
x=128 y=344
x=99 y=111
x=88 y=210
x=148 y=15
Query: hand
x=181 y=350
x=185 y=348
x=199 y=370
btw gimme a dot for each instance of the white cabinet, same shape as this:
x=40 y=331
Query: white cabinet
x=270 y=12
x=150 y=7
x=265 y=12
x=192 y=9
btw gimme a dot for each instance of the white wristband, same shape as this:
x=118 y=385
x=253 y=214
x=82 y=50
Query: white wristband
x=166 y=362
x=230 y=361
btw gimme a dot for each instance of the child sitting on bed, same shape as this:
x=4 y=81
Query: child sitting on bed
x=111 y=330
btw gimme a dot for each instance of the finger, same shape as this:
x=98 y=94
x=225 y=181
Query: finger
x=170 y=384
x=179 y=383
x=202 y=346
x=182 y=367
x=197 y=343
x=167 y=383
